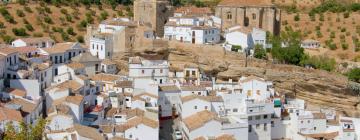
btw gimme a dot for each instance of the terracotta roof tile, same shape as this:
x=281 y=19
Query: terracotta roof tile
x=257 y=3
x=75 y=65
x=88 y=132
x=105 y=77
x=17 y=92
x=7 y=51
x=199 y=119
x=10 y=114
x=76 y=99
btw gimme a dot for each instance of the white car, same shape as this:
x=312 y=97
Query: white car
x=178 y=135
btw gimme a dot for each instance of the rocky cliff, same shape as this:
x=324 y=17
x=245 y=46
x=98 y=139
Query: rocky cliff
x=319 y=88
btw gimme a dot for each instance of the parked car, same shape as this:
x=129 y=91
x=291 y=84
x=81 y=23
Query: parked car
x=178 y=135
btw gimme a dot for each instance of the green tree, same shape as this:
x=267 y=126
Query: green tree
x=259 y=52
x=354 y=75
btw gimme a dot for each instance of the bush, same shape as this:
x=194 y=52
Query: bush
x=28 y=9
x=319 y=62
x=19 y=32
x=64 y=11
x=354 y=75
x=80 y=39
x=20 y=13
x=7 y=39
x=29 y=27
x=297 y=17
x=48 y=20
x=332 y=46
x=70 y=31
x=344 y=46
x=38 y=34
x=346 y=15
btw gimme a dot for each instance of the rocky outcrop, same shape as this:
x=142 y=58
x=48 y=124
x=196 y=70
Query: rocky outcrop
x=317 y=87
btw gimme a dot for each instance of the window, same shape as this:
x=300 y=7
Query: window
x=195 y=107
x=265 y=116
x=254 y=16
x=265 y=127
x=235 y=110
x=229 y=16
x=250 y=128
x=257 y=117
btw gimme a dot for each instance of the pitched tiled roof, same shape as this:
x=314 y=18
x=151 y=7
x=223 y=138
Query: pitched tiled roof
x=257 y=3
x=171 y=88
x=76 y=99
x=85 y=57
x=105 y=77
x=199 y=119
x=59 y=47
x=75 y=65
x=26 y=106
x=88 y=132
x=193 y=10
x=10 y=114
x=17 y=92
x=124 y=84
x=108 y=62
x=7 y=50
x=36 y=39
x=192 y=88
x=205 y=98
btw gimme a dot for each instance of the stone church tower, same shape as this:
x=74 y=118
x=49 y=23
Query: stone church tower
x=155 y=12
x=249 y=13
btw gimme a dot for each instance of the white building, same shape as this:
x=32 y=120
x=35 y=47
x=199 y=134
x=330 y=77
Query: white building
x=144 y=69
x=245 y=38
x=38 y=42
x=310 y=44
x=191 y=30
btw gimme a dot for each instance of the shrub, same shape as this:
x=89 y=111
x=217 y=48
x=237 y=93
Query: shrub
x=7 y=39
x=346 y=15
x=64 y=11
x=332 y=46
x=344 y=46
x=29 y=27
x=20 y=13
x=47 y=10
x=2 y=25
x=38 y=34
x=70 y=31
x=48 y=20
x=19 y=32
x=103 y=15
x=68 y=18
x=28 y=9
x=297 y=17
x=80 y=39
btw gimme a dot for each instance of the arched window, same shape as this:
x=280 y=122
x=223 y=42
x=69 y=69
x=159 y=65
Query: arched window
x=229 y=15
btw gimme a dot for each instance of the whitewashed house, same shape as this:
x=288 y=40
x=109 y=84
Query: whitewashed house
x=191 y=30
x=310 y=44
x=38 y=42
x=143 y=70
x=108 y=66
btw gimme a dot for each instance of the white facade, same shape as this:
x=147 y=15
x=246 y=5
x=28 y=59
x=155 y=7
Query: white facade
x=40 y=42
x=191 y=30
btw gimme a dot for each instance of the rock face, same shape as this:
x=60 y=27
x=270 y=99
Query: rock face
x=316 y=87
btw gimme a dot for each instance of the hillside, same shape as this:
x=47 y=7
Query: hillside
x=316 y=87
x=62 y=18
